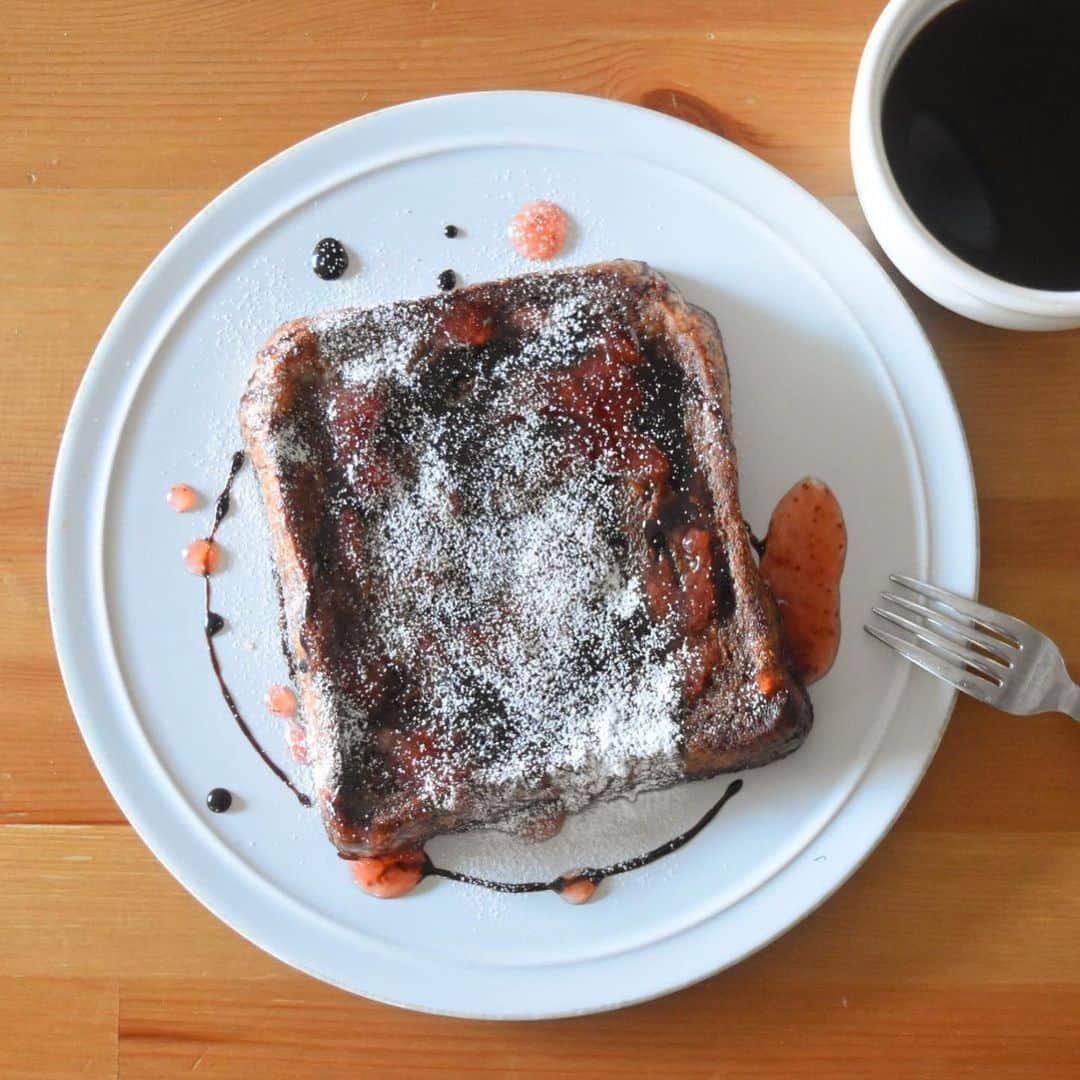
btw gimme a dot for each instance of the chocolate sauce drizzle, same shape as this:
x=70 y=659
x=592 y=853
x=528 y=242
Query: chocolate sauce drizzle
x=591 y=874
x=212 y=622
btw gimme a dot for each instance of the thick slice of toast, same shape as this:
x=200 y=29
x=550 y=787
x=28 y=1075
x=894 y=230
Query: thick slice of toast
x=514 y=573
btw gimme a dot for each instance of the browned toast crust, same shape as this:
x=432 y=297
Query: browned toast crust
x=318 y=422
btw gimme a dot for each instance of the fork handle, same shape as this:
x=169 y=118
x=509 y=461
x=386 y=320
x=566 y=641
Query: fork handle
x=1070 y=700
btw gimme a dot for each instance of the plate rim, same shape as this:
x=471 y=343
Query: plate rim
x=59 y=557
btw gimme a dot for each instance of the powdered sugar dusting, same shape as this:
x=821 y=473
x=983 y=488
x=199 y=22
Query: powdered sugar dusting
x=496 y=584
x=371 y=348
x=532 y=610
x=494 y=655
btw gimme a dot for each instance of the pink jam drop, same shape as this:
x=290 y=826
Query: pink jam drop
x=389 y=876
x=182 y=498
x=575 y=888
x=202 y=557
x=539 y=230
x=281 y=701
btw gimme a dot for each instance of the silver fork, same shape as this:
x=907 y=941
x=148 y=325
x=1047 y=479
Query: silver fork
x=986 y=653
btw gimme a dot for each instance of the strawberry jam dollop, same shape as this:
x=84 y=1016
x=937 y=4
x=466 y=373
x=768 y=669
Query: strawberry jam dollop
x=602 y=393
x=692 y=549
x=297 y=741
x=389 y=876
x=804 y=558
x=469 y=322
x=202 y=556
x=182 y=498
x=539 y=230
x=575 y=887
x=281 y=701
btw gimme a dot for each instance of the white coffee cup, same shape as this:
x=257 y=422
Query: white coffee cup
x=918 y=255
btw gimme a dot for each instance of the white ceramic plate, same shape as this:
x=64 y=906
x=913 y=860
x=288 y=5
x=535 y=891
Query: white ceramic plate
x=832 y=376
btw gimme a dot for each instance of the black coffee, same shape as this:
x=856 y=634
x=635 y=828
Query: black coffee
x=982 y=131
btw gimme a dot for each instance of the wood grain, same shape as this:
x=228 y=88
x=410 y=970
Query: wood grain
x=702 y=1032
x=953 y=951
x=58 y=1027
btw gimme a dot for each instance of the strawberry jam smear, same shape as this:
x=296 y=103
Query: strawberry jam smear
x=605 y=393
x=804 y=558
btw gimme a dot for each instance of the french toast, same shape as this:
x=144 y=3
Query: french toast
x=514 y=573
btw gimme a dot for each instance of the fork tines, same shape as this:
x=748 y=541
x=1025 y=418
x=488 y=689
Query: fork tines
x=966 y=644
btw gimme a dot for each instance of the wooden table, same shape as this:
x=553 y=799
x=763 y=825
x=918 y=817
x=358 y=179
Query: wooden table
x=956 y=949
